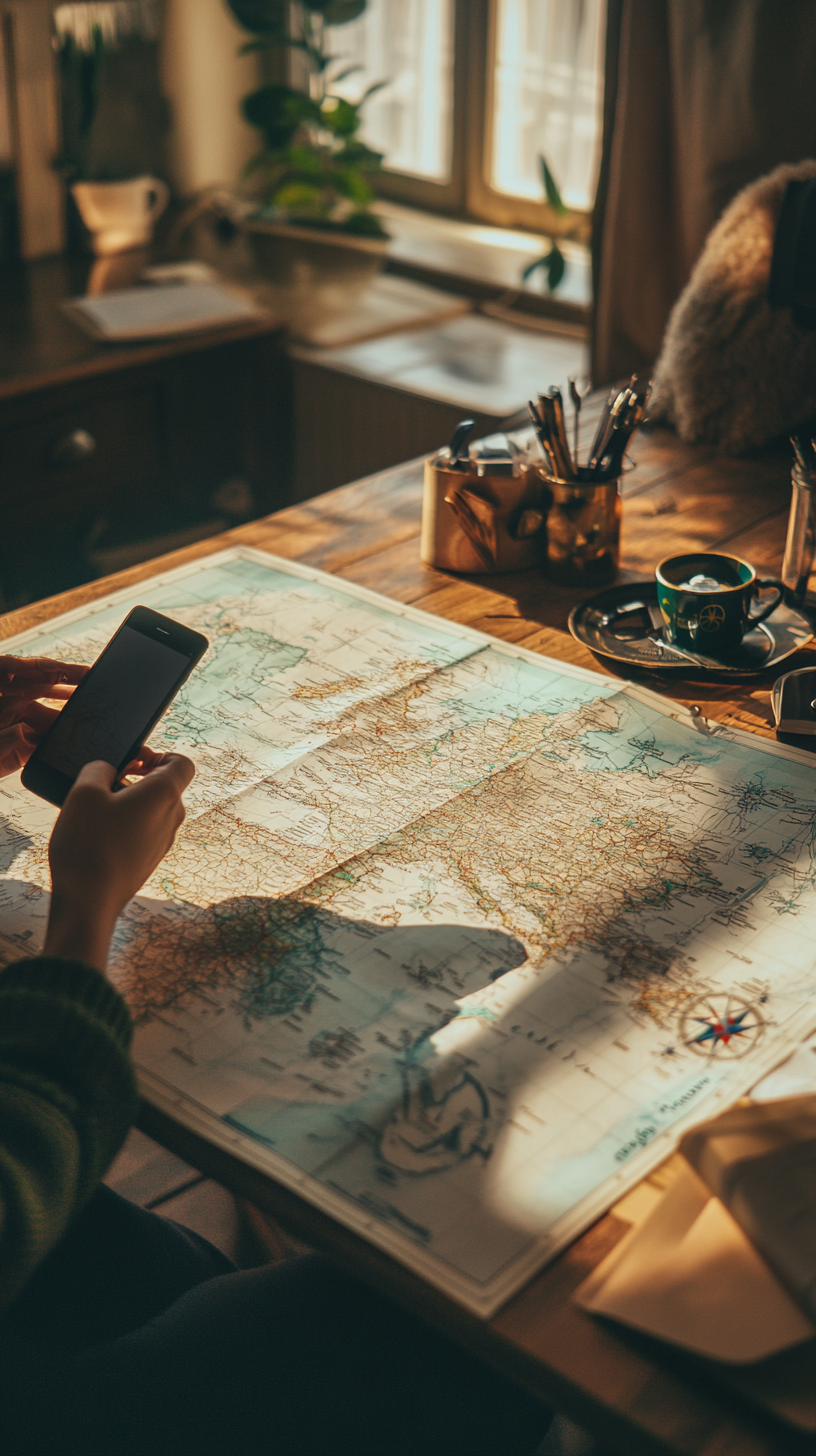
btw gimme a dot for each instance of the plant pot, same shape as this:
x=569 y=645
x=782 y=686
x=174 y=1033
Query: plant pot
x=293 y=256
x=120 y=215
x=313 y=274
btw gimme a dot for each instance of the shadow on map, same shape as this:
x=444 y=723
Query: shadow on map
x=359 y=1094
x=333 y=1001
x=344 y=1012
x=279 y=957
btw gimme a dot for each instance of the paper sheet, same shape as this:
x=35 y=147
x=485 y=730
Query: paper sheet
x=690 y=1276
x=160 y=312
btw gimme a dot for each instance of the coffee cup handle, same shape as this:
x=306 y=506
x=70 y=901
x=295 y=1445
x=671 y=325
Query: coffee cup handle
x=161 y=197
x=769 y=606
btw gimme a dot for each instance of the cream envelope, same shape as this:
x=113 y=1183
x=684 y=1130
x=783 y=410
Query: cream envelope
x=689 y=1275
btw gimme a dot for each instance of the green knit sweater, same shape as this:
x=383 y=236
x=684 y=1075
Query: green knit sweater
x=67 y=1098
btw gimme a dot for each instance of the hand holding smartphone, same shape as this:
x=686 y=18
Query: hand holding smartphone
x=117 y=704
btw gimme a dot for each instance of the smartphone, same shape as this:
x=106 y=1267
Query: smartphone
x=117 y=704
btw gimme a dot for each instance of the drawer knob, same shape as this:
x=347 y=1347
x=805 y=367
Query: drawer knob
x=69 y=449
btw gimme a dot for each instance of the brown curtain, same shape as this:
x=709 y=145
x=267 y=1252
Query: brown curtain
x=702 y=97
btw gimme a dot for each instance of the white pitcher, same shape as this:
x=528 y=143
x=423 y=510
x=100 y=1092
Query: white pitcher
x=120 y=215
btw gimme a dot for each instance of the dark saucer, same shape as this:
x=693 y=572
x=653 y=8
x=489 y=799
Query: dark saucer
x=624 y=623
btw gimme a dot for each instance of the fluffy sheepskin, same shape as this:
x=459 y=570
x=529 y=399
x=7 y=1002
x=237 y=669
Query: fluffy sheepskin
x=732 y=370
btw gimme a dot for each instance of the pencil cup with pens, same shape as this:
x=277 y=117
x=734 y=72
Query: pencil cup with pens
x=480 y=510
x=497 y=508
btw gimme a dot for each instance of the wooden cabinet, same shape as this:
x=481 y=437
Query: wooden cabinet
x=79 y=450
x=110 y=455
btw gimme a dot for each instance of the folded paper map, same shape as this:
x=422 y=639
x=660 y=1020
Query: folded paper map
x=456 y=940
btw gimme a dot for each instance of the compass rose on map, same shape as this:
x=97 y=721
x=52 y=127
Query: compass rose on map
x=721 y=1026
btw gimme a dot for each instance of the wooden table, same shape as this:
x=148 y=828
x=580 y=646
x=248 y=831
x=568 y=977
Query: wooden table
x=637 y=1396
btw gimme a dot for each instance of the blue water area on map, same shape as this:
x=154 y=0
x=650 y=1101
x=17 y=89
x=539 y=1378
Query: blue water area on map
x=310 y=1134
x=246 y=659
x=380 y=1125
x=329 y=1143
x=567 y=1181
x=239 y=577
x=512 y=687
x=210 y=587
x=644 y=741
x=647 y=741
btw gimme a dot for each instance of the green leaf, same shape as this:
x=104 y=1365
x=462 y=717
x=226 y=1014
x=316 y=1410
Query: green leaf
x=261 y=16
x=342 y=119
x=551 y=188
x=278 y=111
x=556 y=267
x=352 y=186
x=356 y=151
x=299 y=196
x=364 y=224
x=304 y=160
x=555 y=264
x=372 y=91
x=342 y=75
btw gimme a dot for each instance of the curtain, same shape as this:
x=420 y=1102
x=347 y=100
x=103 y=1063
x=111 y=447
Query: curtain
x=702 y=97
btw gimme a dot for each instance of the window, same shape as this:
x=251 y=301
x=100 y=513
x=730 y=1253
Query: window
x=410 y=45
x=547 y=96
x=477 y=90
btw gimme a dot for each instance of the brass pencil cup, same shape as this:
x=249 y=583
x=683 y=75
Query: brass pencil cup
x=481 y=523
x=583 y=521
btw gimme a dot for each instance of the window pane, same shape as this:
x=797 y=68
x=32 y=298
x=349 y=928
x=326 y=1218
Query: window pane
x=409 y=44
x=548 y=81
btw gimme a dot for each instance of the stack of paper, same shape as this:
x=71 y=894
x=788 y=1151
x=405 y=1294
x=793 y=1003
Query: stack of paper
x=160 y=312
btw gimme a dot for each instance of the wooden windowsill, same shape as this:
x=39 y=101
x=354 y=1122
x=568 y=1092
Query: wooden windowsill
x=486 y=262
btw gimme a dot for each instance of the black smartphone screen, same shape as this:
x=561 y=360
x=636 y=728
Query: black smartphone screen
x=129 y=683
x=118 y=703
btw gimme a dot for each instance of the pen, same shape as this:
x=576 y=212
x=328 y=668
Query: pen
x=561 y=431
x=558 y=444
x=542 y=434
x=577 y=402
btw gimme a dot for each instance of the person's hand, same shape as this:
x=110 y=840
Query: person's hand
x=104 y=846
x=24 y=720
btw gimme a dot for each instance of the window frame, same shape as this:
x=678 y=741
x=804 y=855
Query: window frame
x=468 y=195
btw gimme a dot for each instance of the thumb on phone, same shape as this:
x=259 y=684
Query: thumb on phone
x=96 y=775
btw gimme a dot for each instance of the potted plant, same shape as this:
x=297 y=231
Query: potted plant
x=564 y=222
x=308 y=191
x=117 y=207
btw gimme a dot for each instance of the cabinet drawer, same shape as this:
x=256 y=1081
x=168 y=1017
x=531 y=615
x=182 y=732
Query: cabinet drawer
x=82 y=457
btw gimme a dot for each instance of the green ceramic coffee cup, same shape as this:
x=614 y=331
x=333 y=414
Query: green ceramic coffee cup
x=706 y=600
